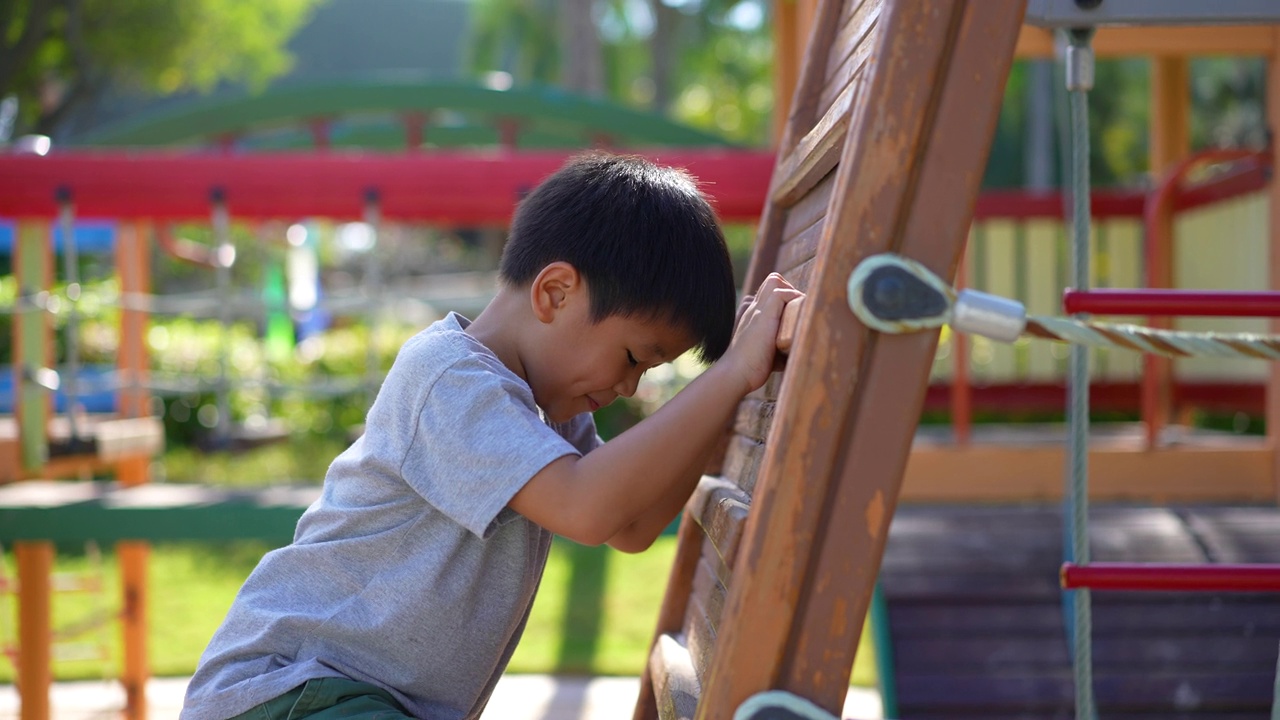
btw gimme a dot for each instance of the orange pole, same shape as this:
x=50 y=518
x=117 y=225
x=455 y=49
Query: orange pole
x=35 y=628
x=1170 y=143
x=133 y=266
x=1273 y=387
x=787 y=46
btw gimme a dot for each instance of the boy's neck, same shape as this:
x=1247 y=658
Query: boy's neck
x=499 y=327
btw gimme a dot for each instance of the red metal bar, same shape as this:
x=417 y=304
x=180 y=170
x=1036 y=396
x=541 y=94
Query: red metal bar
x=1174 y=577
x=1198 y=303
x=462 y=188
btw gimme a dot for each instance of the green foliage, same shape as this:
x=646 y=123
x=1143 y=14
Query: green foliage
x=160 y=46
x=723 y=56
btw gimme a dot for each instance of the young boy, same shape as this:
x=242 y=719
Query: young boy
x=409 y=581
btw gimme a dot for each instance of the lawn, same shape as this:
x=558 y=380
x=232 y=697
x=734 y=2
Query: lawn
x=594 y=614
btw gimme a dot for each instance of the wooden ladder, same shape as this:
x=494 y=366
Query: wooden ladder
x=884 y=151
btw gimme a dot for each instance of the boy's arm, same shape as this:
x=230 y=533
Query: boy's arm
x=648 y=469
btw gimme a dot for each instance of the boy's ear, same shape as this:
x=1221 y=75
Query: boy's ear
x=553 y=288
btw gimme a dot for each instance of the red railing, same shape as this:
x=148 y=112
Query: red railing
x=1248 y=173
x=1171 y=577
x=1173 y=303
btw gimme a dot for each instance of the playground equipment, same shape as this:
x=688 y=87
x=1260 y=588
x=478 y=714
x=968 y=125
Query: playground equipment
x=886 y=146
x=778 y=557
x=479 y=189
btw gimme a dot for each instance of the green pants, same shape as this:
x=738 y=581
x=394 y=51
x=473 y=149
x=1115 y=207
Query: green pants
x=330 y=699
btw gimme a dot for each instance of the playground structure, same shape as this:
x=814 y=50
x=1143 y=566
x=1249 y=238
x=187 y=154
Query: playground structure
x=481 y=190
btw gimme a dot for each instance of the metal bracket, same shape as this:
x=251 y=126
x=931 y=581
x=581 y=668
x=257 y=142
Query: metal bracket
x=1082 y=13
x=780 y=705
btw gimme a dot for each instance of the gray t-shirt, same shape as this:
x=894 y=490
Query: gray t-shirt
x=409 y=572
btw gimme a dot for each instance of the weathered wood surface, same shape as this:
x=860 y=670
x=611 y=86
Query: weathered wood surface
x=976 y=615
x=883 y=151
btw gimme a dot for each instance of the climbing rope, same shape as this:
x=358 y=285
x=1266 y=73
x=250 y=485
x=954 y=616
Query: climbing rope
x=1079 y=80
x=893 y=294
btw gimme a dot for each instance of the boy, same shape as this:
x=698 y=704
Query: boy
x=409 y=581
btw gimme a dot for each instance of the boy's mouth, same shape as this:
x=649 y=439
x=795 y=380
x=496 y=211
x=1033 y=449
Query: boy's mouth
x=592 y=403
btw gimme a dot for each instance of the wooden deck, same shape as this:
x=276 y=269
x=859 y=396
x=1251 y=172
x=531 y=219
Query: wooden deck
x=1019 y=464
x=976 y=614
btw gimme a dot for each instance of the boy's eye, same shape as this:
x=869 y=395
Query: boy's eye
x=631 y=359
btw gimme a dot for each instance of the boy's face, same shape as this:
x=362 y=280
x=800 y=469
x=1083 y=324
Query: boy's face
x=581 y=366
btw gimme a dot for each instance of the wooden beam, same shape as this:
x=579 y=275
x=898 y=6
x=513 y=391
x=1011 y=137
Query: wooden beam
x=850 y=398
x=1170 y=142
x=1036 y=42
x=1121 y=469
x=35 y=628
x=787 y=47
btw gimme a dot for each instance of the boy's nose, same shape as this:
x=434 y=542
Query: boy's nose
x=627 y=386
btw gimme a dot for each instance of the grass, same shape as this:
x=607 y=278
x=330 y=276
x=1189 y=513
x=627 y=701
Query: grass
x=594 y=614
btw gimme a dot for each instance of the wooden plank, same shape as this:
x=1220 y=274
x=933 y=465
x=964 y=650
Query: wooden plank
x=802 y=248
x=700 y=634
x=1120 y=469
x=810 y=210
x=721 y=509
x=754 y=418
x=742 y=462
x=674 y=681
x=1235 y=40
x=856 y=23
x=933 y=224
x=674 y=605
x=816 y=155
x=850 y=73
x=803 y=645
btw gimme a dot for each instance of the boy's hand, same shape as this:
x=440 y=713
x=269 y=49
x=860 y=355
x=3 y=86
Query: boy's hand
x=755 y=340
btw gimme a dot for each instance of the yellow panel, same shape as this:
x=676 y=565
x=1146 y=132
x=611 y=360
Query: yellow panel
x=1123 y=269
x=1223 y=247
x=1044 y=293
x=994 y=362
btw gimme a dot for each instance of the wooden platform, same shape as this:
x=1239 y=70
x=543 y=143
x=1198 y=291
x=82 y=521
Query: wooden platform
x=976 y=614
x=113 y=439
x=1012 y=464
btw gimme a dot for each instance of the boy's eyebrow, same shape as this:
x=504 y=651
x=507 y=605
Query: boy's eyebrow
x=656 y=349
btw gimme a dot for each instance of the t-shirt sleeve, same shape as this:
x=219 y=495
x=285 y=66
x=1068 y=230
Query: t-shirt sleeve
x=479 y=439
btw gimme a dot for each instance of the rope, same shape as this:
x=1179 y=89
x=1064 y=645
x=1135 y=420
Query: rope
x=1076 y=499
x=1170 y=343
x=1075 y=331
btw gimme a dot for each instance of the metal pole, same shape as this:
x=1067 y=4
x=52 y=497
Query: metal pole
x=71 y=272
x=225 y=257
x=372 y=294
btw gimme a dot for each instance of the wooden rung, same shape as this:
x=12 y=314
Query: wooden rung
x=720 y=507
x=790 y=322
x=706 y=604
x=816 y=153
x=675 y=684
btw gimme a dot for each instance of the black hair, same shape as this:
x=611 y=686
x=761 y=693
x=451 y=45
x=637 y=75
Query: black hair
x=644 y=238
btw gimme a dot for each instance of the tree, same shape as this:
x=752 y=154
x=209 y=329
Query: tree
x=57 y=54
